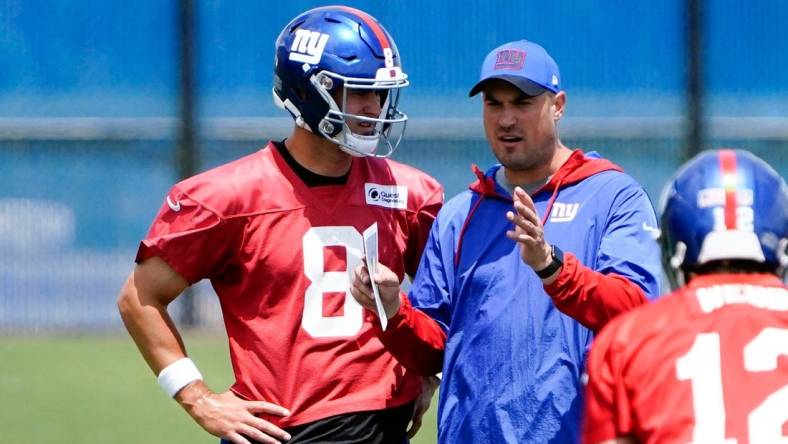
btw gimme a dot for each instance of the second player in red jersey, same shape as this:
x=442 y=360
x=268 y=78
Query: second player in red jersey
x=697 y=366
x=708 y=363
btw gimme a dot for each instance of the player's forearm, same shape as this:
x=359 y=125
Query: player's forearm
x=590 y=297
x=151 y=327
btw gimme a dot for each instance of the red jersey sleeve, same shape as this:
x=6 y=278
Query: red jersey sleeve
x=607 y=410
x=414 y=338
x=193 y=239
x=590 y=297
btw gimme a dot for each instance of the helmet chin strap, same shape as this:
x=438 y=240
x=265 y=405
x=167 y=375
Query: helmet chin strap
x=681 y=278
x=356 y=145
x=676 y=261
x=288 y=105
x=782 y=258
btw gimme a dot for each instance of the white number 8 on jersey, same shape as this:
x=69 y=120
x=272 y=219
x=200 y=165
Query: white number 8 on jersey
x=313 y=321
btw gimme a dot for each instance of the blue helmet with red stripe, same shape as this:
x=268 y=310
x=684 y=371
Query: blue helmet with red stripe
x=326 y=52
x=724 y=205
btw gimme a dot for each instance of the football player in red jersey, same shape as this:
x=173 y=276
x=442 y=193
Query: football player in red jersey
x=278 y=233
x=709 y=363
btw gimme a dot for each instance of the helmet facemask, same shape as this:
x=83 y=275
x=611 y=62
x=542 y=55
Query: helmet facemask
x=387 y=128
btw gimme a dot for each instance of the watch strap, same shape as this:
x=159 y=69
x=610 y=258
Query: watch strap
x=556 y=263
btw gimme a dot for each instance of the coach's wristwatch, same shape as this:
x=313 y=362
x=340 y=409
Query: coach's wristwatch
x=557 y=257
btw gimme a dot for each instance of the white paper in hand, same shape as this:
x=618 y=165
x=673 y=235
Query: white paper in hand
x=371 y=253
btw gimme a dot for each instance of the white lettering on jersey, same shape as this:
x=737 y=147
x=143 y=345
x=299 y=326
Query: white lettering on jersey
x=388 y=196
x=563 y=212
x=768 y=298
x=308 y=46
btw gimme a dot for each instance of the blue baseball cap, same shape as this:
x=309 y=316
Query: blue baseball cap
x=524 y=64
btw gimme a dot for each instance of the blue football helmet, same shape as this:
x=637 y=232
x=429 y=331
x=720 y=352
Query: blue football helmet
x=331 y=50
x=724 y=205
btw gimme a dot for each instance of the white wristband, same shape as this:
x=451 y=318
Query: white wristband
x=177 y=375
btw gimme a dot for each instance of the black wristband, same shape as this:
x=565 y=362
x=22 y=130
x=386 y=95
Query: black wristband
x=557 y=257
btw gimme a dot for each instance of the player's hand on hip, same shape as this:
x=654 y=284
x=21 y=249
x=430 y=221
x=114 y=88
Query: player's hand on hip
x=227 y=416
x=388 y=287
x=528 y=231
x=429 y=385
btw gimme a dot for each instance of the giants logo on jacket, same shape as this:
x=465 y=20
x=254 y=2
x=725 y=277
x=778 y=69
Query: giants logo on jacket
x=563 y=212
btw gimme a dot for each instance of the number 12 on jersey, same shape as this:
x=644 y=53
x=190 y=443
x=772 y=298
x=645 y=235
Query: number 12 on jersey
x=702 y=367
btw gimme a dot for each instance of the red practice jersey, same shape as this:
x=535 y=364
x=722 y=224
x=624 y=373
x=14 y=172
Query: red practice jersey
x=280 y=256
x=707 y=364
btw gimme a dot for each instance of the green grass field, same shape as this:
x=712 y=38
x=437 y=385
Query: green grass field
x=91 y=389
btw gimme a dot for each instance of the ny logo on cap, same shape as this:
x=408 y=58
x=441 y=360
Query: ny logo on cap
x=510 y=59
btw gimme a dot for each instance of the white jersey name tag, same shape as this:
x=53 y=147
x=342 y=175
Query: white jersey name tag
x=389 y=196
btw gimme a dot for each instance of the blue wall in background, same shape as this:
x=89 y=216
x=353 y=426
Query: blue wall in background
x=117 y=58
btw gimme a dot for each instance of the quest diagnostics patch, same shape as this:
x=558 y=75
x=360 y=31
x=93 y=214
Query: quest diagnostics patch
x=388 y=196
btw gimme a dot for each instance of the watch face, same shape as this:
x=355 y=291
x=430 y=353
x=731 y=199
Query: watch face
x=558 y=255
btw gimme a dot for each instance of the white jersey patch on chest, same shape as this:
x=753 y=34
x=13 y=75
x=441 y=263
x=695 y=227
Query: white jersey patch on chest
x=388 y=196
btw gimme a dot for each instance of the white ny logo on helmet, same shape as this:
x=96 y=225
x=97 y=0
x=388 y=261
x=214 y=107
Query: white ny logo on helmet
x=308 y=46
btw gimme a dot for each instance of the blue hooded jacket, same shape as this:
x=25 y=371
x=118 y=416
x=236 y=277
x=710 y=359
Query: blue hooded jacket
x=512 y=359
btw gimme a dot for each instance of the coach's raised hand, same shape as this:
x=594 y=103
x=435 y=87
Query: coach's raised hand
x=388 y=286
x=528 y=231
x=227 y=416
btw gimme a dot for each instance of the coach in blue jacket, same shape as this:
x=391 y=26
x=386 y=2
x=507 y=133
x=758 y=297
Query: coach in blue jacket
x=522 y=269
